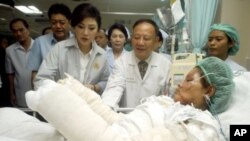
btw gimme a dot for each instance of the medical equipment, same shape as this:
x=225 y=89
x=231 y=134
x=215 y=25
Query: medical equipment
x=182 y=64
x=166 y=18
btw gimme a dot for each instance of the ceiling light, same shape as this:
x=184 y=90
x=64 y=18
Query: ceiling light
x=28 y=9
x=127 y=13
x=2 y=19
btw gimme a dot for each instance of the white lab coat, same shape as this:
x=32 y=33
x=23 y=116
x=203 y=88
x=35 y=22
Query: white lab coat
x=126 y=86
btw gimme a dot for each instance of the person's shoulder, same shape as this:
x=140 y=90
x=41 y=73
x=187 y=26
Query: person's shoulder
x=160 y=58
x=70 y=42
x=109 y=50
x=167 y=56
x=125 y=59
x=45 y=37
x=43 y=40
x=126 y=55
x=100 y=50
x=11 y=47
x=234 y=65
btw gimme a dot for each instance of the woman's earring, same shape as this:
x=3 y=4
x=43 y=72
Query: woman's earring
x=207 y=99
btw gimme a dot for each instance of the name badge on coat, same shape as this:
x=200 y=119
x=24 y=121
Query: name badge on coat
x=130 y=79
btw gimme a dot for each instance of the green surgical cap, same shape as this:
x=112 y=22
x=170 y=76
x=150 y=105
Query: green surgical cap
x=231 y=33
x=218 y=74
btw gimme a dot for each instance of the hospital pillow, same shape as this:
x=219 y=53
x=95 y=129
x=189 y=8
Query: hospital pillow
x=238 y=111
x=15 y=125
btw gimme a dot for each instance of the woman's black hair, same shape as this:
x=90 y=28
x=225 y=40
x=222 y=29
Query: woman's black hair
x=118 y=26
x=83 y=11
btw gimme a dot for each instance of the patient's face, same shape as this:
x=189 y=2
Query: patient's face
x=191 y=91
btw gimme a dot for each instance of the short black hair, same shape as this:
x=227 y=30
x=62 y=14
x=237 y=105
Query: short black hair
x=118 y=26
x=25 y=23
x=44 y=30
x=160 y=36
x=147 y=21
x=104 y=31
x=59 y=8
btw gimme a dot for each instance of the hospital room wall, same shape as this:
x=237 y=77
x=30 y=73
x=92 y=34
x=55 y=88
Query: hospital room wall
x=236 y=12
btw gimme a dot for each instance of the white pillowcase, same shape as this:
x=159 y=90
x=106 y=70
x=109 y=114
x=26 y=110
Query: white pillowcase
x=239 y=111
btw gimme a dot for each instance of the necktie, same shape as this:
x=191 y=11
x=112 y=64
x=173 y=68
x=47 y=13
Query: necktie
x=143 y=65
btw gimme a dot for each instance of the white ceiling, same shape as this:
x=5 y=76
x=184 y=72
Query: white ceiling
x=126 y=11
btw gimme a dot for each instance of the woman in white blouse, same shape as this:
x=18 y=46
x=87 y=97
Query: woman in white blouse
x=117 y=36
x=78 y=56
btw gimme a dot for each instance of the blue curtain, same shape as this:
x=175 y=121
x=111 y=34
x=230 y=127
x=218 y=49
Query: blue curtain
x=202 y=13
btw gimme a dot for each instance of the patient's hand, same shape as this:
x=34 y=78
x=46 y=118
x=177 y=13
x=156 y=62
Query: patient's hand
x=92 y=98
x=33 y=97
x=73 y=84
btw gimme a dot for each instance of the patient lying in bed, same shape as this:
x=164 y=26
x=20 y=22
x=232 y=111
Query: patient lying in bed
x=79 y=114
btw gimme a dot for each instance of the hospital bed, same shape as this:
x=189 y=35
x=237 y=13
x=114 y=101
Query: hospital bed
x=16 y=125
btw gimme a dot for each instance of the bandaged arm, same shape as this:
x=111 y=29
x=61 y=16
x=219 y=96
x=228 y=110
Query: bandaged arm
x=92 y=99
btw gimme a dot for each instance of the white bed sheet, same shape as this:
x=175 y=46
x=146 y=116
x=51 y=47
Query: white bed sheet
x=239 y=111
x=15 y=125
x=2 y=138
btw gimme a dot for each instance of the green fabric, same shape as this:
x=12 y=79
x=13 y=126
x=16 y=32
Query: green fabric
x=218 y=73
x=128 y=47
x=200 y=16
x=232 y=33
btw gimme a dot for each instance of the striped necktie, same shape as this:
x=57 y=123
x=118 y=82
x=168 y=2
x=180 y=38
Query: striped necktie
x=143 y=65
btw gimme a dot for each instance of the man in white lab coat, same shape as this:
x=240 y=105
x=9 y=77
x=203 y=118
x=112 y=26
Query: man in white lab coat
x=128 y=85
